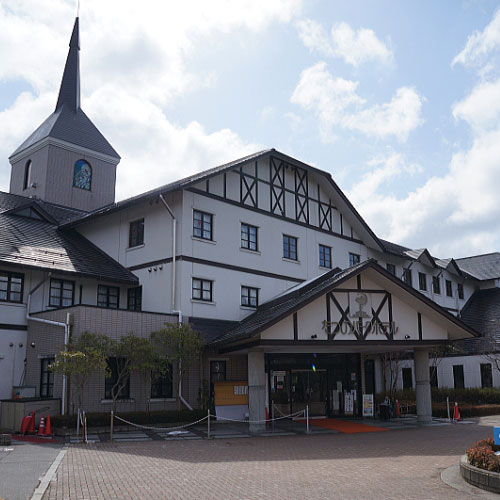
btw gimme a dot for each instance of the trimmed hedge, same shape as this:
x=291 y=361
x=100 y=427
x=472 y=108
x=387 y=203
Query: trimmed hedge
x=482 y=455
x=138 y=417
x=473 y=396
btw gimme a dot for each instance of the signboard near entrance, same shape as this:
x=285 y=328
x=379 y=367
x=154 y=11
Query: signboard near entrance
x=348 y=403
x=367 y=405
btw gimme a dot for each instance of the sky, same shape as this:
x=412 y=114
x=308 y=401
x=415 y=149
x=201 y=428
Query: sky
x=399 y=100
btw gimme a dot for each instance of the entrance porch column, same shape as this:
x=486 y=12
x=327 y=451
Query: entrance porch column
x=423 y=386
x=256 y=390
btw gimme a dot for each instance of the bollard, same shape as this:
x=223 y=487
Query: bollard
x=78 y=423
x=208 y=424
x=272 y=412
x=83 y=426
x=307 y=419
x=111 y=427
x=448 y=406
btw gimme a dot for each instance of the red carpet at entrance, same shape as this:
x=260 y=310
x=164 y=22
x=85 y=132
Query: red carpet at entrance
x=345 y=426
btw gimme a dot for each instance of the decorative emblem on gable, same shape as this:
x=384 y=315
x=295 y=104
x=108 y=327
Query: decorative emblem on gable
x=359 y=313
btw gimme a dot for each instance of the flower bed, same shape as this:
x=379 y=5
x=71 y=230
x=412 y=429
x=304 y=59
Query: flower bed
x=481 y=467
x=482 y=455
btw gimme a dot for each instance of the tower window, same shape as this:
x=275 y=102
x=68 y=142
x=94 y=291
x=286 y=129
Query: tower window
x=27 y=175
x=82 y=175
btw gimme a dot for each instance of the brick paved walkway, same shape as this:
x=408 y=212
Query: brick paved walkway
x=399 y=464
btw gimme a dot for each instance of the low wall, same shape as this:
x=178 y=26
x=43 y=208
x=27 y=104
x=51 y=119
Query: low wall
x=481 y=478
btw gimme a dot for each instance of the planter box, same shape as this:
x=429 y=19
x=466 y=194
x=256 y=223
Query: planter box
x=481 y=478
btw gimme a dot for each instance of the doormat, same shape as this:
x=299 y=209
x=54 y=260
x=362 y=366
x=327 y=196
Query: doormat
x=345 y=426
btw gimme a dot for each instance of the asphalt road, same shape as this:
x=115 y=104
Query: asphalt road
x=22 y=465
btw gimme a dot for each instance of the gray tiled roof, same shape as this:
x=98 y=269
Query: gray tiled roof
x=38 y=244
x=73 y=127
x=395 y=249
x=482 y=312
x=210 y=329
x=481 y=267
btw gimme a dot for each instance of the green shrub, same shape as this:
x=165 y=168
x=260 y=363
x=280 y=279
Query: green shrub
x=482 y=455
x=137 y=417
x=473 y=396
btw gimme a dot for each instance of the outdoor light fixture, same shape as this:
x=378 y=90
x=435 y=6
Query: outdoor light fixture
x=407 y=337
x=33 y=345
x=314 y=336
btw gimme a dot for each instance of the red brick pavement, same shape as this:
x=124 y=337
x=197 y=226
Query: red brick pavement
x=395 y=465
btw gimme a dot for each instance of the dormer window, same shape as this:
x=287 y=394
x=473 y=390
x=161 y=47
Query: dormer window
x=82 y=175
x=27 y=175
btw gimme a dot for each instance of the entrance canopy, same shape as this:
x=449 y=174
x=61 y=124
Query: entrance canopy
x=360 y=309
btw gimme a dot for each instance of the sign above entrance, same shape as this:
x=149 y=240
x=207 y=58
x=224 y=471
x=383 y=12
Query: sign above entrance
x=360 y=313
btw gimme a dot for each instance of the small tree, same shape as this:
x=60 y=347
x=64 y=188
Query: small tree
x=133 y=354
x=82 y=358
x=180 y=344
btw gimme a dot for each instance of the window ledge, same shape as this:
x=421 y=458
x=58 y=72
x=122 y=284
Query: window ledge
x=207 y=302
x=248 y=308
x=110 y=401
x=248 y=250
x=162 y=400
x=202 y=240
x=284 y=259
x=137 y=247
x=325 y=267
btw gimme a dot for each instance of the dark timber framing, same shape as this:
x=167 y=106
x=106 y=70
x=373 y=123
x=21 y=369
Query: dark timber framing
x=301 y=195
x=277 y=185
x=213 y=263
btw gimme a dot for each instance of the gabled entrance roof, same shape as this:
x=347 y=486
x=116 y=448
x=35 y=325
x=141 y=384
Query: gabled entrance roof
x=273 y=311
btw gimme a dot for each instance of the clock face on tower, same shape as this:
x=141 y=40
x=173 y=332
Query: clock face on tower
x=82 y=175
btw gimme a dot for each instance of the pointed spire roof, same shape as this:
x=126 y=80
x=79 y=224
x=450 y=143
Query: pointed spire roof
x=69 y=123
x=69 y=93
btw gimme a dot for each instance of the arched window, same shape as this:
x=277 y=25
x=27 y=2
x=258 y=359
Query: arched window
x=82 y=175
x=27 y=175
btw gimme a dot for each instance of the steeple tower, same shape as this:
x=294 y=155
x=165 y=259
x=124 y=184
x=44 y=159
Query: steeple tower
x=66 y=160
x=69 y=93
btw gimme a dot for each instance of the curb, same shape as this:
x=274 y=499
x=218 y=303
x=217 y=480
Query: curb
x=49 y=475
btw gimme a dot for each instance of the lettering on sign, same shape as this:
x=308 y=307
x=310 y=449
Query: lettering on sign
x=358 y=329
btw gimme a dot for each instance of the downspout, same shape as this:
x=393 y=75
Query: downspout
x=65 y=325
x=178 y=312
x=174 y=226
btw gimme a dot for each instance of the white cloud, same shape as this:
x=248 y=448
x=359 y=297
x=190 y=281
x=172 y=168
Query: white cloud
x=481 y=108
x=455 y=214
x=353 y=46
x=134 y=63
x=336 y=103
x=481 y=44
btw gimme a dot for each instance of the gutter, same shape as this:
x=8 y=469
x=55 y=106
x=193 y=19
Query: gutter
x=66 y=327
x=178 y=312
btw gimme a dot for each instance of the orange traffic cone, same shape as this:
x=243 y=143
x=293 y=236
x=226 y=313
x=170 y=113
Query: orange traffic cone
x=48 y=427
x=456 y=413
x=398 y=411
x=25 y=424
x=31 y=427
x=41 y=428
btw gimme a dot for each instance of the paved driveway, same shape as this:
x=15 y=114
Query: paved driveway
x=22 y=465
x=398 y=464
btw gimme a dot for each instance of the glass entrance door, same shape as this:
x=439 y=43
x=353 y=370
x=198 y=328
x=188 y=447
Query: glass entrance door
x=308 y=388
